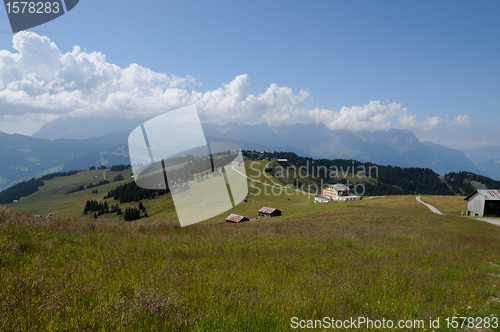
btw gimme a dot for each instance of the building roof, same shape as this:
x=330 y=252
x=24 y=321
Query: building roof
x=235 y=218
x=338 y=187
x=267 y=210
x=488 y=194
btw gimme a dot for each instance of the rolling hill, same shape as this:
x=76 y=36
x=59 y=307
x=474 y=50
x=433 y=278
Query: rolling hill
x=392 y=147
x=24 y=157
x=55 y=197
x=386 y=257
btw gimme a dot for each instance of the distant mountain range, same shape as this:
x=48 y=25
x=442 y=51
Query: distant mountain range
x=487 y=159
x=85 y=128
x=24 y=157
x=74 y=143
x=393 y=147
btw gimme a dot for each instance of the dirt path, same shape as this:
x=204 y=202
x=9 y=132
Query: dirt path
x=432 y=208
x=270 y=178
x=491 y=221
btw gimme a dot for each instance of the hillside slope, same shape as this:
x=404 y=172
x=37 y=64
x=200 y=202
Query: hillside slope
x=24 y=157
x=54 y=196
x=392 y=147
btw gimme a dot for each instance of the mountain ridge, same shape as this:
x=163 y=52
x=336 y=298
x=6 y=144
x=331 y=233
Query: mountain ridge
x=25 y=157
x=398 y=147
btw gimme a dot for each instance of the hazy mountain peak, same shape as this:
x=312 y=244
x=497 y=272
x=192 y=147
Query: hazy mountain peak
x=397 y=147
x=84 y=128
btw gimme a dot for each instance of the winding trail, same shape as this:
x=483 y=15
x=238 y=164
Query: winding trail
x=271 y=178
x=432 y=208
x=491 y=221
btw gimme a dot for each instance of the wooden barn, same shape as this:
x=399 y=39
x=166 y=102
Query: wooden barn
x=267 y=212
x=484 y=203
x=234 y=218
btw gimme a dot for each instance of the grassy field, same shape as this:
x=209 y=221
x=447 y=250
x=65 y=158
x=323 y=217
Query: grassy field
x=388 y=259
x=379 y=258
x=452 y=205
x=51 y=197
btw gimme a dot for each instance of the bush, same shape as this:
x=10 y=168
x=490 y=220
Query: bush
x=118 y=178
x=131 y=214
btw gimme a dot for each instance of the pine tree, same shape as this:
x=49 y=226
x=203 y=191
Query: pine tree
x=87 y=208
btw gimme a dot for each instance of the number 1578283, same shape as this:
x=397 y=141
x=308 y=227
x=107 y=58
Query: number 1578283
x=23 y=7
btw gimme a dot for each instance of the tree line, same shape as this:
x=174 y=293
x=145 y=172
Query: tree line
x=391 y=180
x=130 y=192
x=90 y=186
x=29 y=187
x=100 y=209
x=19 y=190
x=51 y=176
x=461 y=182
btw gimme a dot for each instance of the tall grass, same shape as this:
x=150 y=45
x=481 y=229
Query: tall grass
x=69 y=274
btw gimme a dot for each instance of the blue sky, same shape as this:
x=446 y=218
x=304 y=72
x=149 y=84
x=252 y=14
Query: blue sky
x=437 y=59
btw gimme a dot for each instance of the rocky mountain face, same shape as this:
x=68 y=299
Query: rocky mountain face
x=394 y=147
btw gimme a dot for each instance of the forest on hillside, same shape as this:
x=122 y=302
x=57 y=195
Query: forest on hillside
x=130 y=192
x=31 y=186
x=19 y=190
x=391 y=180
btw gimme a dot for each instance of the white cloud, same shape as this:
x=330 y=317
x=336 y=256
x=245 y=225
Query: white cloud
x=461 y=121
x=373 y=116
x=40 y=80
x=233 y=102
x=40 y=83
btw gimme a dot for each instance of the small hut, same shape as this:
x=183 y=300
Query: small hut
x=267 y=212
x=234 y=218
x=484 y=203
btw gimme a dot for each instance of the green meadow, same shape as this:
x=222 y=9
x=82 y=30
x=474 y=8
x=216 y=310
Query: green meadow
x=386 y=257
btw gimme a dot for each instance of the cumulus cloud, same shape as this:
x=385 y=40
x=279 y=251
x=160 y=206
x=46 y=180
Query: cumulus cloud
x=373 y=116
x=38 y=79
x=233 y=102
x=39 y=83
x=461 y=121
